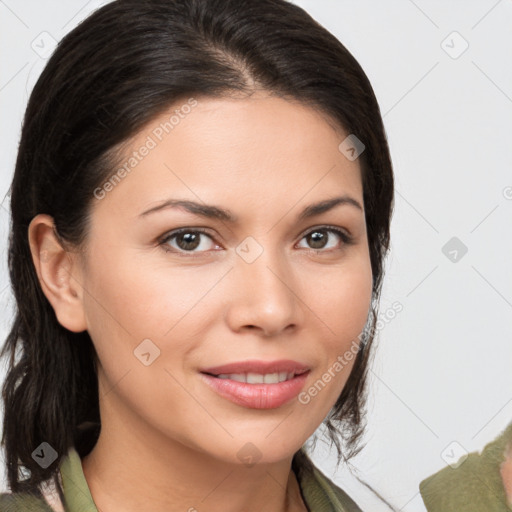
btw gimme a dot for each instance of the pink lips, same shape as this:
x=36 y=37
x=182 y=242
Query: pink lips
x=257 y=396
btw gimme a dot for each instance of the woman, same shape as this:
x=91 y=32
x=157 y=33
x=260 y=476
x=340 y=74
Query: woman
x=200 y=215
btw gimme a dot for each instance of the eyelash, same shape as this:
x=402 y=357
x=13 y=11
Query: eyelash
x=346 y=240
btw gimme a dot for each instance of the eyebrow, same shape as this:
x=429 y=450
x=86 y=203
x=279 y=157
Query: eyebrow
x=215 y=212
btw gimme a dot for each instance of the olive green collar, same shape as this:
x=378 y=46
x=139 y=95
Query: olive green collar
x=77 y=495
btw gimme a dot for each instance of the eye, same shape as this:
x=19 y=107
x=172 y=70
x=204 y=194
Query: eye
x=319 y=236
x=186 y=240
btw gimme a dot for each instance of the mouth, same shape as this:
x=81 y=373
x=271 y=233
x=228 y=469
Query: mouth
x=257 y=384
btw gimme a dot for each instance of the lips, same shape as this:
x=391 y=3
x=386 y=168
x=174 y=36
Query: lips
x=257 y=384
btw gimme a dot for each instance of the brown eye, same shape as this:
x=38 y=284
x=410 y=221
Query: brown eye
x=319 y=238
x=186 y=240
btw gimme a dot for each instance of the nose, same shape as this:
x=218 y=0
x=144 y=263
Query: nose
x=264 y=296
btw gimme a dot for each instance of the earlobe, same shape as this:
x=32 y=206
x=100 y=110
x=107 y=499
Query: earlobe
x=58 y=272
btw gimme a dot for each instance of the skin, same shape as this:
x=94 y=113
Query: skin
x=168 y=442
x=506 y=473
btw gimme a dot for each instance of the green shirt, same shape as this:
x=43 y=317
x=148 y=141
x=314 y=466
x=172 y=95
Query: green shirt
x=319 y=493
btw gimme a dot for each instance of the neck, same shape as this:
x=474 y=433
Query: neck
x=133 y=468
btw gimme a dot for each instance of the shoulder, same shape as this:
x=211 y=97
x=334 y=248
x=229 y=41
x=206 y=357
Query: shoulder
x=23 y=502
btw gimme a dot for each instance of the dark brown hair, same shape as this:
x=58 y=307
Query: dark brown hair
x=110 y=76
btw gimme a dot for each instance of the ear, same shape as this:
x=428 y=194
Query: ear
x=59 y=273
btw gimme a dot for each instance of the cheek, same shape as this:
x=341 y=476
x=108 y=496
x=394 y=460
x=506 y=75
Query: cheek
x=342 y=300
x=144 y=299
x=131 y=312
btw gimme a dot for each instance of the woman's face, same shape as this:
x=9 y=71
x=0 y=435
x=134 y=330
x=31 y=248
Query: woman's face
x=270 y=284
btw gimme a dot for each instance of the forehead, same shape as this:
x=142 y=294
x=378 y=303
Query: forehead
x=250 y=152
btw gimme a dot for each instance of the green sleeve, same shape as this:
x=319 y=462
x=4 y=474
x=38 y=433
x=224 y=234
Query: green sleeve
x=474 y=486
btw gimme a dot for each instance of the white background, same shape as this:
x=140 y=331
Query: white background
x=442 y=369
